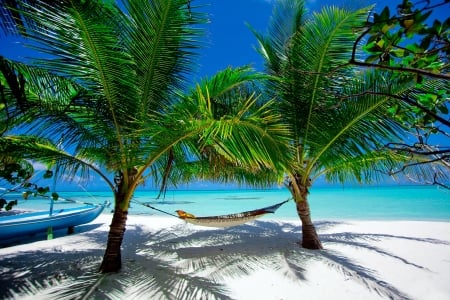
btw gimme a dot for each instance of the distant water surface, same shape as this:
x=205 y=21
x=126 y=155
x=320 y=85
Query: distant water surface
x=327 y=203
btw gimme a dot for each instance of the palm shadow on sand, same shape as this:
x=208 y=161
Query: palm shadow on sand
x=188 y=262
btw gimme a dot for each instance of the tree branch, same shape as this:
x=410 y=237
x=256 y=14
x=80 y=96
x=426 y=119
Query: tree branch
x=410 y=102
x=400 y=69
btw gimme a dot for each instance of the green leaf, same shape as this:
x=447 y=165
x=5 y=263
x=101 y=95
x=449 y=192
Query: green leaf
x=55 y=196
x=10 y=205
x=393 y=110
x=398 y=52
x=443 y=108
x=372 y=58
x=427 y=99
x=2 y=203
x=386 y=27
x=380 y=44
x=383 y=17
x=48 y=174
x=42 y=190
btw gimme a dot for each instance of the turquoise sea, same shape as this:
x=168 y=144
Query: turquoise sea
x=327 y=203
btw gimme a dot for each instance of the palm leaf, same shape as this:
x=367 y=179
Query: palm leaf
x=245 y=123
x=210 y=133
x=286 y=18
x=317 y=48
x=163 y=43
x=43 y=150
x=358 y=122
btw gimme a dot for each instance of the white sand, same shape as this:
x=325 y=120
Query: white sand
x=164 y=258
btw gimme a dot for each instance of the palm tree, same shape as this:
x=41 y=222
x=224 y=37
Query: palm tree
x=112 y=98
x=337 y=113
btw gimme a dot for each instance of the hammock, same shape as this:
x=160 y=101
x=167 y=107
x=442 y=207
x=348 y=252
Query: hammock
x=228 y=220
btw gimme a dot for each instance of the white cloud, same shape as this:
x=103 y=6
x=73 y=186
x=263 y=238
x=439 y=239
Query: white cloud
x=38 y=166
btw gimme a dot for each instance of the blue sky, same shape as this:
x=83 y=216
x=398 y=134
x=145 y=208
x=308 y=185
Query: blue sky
x=229 y=42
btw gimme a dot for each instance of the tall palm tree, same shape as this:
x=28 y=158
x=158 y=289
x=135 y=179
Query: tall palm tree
x=112 y=96
x=337 y=113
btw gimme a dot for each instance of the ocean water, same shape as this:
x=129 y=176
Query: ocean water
x=429 y=203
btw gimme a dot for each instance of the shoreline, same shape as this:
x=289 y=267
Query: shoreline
x=262 y=260
x=268 y=217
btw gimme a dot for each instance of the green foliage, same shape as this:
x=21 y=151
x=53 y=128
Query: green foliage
x=336 y=114
x=7 y=205
x=406 y=39
x=414 y=49
x=114 y=97
x=14 y=173
x=19 y=175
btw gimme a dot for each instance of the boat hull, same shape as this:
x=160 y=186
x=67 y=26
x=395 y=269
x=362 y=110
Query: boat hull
x=27 y=224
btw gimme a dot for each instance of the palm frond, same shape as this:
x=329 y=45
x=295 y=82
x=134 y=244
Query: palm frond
x=247 y=136
x=45 y=104
x=43 y=150
x=82 y=42
x=360 y=124
x=367 y=167
x=163 y=39
x=358 y=120
x=228 y=84
x=317 y=48
x=210 y=133
x=124 y=67
x=287 y=17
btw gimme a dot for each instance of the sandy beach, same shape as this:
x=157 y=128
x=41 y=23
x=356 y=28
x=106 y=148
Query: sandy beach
x=165 y=258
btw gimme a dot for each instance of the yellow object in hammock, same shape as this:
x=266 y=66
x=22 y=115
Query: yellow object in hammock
x=184 y=215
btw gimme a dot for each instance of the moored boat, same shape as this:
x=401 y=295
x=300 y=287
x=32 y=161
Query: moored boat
x=30 y=223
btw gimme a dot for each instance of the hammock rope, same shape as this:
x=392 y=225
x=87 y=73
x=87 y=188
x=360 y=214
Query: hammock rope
x=152 y=207
x=221 y=220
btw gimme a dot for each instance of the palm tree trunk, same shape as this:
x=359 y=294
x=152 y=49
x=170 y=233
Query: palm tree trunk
x=310 y=238
x=112 y=260
x=300 y=191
